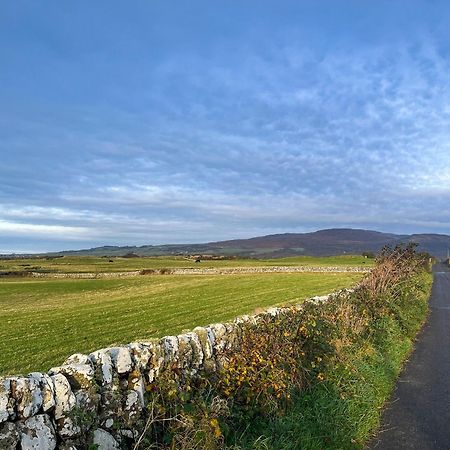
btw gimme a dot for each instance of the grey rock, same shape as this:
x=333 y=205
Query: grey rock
x=64 y=397
x=80 y=376
x=104 y=440
x=28 y=396
x=141 y=353
x=103 y=366
x=77 y=358
x=197 y=350
x=171 y=349
x=121 y=359
x=37 y=433
x=184 y=351
x=5 y=402
x=9 y=436
x=205 y=341
x=47 y=389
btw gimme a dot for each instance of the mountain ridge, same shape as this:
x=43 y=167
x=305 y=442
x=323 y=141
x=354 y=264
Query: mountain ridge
x=326 y=242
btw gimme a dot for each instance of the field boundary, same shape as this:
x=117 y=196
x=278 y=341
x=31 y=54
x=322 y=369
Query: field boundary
x=203 y=271
x=53 y=410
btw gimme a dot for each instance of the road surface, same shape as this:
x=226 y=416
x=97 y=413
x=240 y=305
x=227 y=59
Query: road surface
x=418 y=413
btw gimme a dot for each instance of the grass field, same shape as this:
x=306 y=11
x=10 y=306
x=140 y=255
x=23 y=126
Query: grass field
x=71 y=264
x=44 y=320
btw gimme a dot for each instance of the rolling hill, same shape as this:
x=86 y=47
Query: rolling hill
x=336 y=241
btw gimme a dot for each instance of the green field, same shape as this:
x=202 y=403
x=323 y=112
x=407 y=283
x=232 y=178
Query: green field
x=71 y=264
x=45 y=320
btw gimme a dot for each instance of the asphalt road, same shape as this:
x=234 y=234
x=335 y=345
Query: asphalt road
x=418 y=413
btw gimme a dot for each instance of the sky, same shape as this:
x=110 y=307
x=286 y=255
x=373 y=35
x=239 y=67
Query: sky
x=152 y=122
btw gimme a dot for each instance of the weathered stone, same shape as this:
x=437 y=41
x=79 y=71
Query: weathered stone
x=136 y=383
x=132 y=408
x=47 y=389
x=156 y=362
x=104 y=440
x=68 y=445
x=121 y=359
x=197 y=350
x=184 y=351
x=28 y=395
x=205 y=342
x=77 y=358
x=37 y=433
x=87 y=400
x=9 y=436
x=219 y=330
x=67 y=428
x=64 y=397
x=232 y=336
x=103 y=366
x=6 y=408
x=80 y=376
x=171 y=350
x=274 y=311
x=141 y=354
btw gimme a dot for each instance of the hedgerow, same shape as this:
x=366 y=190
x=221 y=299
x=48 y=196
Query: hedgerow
x=313 y=377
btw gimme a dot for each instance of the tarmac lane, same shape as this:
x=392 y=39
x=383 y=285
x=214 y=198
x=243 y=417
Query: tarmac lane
x=417 y=415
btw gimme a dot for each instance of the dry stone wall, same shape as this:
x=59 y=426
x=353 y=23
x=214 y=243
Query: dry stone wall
x=205 y=271
x=42 y=411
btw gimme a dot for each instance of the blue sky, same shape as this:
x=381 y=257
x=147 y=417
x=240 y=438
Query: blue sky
x=152 y=122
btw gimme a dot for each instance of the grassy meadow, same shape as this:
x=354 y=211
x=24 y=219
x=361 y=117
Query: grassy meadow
x=78 y=264
x=46 y=320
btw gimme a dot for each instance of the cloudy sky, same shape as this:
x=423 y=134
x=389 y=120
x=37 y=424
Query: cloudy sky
x=152 y=122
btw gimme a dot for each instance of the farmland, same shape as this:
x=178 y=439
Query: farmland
x=83 y=264
x=45 y=320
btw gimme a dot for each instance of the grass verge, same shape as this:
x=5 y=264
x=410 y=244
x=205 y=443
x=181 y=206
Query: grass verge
x=314 y=379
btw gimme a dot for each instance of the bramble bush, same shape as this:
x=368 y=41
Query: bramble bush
x=325 y=351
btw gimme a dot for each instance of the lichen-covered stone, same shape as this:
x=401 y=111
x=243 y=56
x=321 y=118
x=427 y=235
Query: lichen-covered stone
x=68 y=445
x=141 y=353
x=37 y=433
x=77 y=358
x=205 y=342
x=80 y=376
x=64 y=397
x=103 y=366
x=121 y=359
x=47 y=389
x=197 y=350
x=28 y=395
x=184 y=351
x=9 y=436
x=171 y=349
x=67 y=428
x=104 y=440
x=219 y=330
x=132 y=408
x=136 y=383
x=156 y=362
x=6 y=409
x=87 y=400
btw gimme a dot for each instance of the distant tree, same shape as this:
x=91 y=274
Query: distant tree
x=368 y=255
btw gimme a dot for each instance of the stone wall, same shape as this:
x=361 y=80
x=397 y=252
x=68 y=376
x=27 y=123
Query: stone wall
x=42 y=410
x=206 y=271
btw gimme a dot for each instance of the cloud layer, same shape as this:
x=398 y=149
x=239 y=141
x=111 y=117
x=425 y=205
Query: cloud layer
x=196 y=127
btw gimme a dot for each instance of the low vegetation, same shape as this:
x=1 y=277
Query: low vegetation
x=311 y=380
x=46 y=320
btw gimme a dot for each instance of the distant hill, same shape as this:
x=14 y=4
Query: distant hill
x=330 y=242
